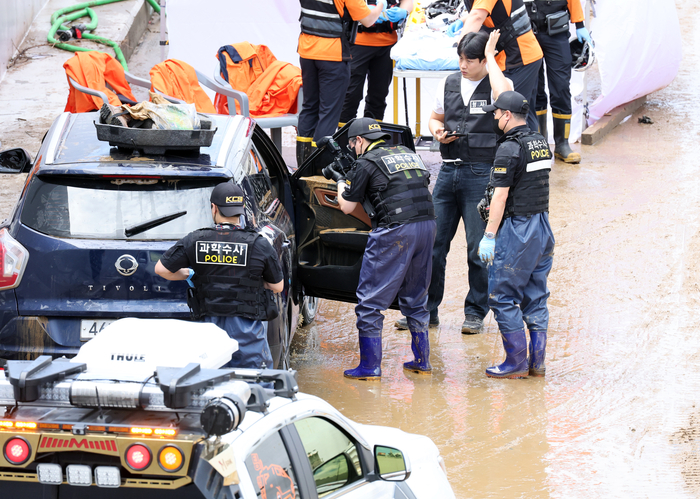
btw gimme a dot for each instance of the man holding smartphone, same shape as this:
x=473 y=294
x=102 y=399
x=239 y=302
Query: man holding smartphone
x=467 y=145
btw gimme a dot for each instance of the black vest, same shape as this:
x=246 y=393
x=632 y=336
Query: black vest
x=222 y=276
x=530 y=192
x=538 y=10
x=480 y=143
x=384 y=27
x=406 y=197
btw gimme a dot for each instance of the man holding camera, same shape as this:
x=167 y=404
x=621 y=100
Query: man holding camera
x=398 y=256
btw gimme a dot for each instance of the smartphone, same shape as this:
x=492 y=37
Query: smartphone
x=455 y=134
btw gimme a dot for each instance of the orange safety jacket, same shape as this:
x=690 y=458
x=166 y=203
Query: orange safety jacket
x=271 y=85
x=178 y=79
x=95 y=70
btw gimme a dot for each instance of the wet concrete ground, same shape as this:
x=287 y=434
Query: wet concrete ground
x=617 y=414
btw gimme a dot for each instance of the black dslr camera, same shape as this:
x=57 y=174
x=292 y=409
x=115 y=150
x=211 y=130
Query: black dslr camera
x=342 y=161
x=340 y=166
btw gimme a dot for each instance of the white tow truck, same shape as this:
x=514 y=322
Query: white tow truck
x=144 y=410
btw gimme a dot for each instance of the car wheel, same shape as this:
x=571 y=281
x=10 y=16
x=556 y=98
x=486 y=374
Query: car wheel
x=308 y=309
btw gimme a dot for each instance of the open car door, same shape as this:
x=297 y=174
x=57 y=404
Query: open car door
x=330 y=244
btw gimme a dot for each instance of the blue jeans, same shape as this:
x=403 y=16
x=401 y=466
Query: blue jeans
x=458 y=190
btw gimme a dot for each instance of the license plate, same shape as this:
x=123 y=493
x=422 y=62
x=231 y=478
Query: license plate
x=90 y=328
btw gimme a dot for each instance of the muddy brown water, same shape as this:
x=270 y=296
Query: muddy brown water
x=618 y=414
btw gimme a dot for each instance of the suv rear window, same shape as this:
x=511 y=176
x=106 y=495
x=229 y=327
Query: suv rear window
x=117 y=208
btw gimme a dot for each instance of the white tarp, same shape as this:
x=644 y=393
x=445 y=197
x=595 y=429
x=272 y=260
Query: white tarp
x=638 y=48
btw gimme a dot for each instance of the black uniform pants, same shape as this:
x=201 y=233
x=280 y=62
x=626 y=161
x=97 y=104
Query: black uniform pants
x=557 y=58
x=524 y=80
x=374 y=65
x=325 y=83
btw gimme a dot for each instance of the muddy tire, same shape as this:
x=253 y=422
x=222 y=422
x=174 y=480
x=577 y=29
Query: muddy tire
x=307 y=310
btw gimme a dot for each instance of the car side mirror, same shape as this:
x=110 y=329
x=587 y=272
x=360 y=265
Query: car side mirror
x=390 y=465
x=15 y=161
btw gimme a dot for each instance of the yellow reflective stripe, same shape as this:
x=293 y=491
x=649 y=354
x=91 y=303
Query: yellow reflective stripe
x=540 y=113
x=374 y=144
x=313 y=144
x=561 y=116
x=341 y=125
x=304 y=139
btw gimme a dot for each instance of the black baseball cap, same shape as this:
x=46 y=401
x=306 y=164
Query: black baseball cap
x=368 y=128
x=510 y=101
x=230 y=199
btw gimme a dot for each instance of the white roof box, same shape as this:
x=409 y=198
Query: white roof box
x=134 y=348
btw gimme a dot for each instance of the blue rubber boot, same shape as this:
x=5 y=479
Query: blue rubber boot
x=370 y=367
x=420 y=345
x=515 y=365
x=538 y=344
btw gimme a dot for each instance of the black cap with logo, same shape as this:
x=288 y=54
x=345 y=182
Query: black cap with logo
x=368 y=128
x=510 y=101
x=229 y=198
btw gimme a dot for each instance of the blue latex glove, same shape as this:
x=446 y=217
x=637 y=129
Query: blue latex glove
x=382 y=19
x=583 y=34
x=455 y=28
x=383 y=3
x=189 y=279
x=487 y=249
x=396 y=14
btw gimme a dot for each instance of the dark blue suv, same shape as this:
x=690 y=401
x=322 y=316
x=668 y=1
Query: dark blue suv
x=80 y=246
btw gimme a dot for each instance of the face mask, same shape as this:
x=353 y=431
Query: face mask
x=496 y=129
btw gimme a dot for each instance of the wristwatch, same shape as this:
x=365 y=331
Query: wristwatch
x=489 y=235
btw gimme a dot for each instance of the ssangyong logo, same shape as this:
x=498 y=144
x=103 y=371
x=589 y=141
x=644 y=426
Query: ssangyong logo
x=126 y=265
x=87 y=444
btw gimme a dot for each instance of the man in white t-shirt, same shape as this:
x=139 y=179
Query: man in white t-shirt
x=467 y=145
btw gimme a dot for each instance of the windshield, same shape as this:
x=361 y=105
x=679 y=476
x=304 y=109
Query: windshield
x=110 y=208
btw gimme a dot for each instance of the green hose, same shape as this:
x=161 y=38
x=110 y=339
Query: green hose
x=64 y=15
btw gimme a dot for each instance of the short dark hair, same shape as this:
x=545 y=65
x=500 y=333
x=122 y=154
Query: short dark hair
x=472 y=45
x=519 y=116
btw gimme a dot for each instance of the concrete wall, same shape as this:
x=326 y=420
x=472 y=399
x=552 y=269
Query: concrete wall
x=16 y=17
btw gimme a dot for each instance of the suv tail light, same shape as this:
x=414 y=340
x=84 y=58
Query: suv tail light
x=13 y=261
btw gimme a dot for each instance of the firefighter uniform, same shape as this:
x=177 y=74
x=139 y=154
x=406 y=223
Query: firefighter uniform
x=398 y=255
x=371 y=61
x=231 y=265
x=550 y=22
x=520 y=56
x=324 y=58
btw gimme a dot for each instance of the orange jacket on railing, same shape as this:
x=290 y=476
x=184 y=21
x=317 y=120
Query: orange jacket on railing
x=93 y=70
x=271 y=85
x=178 y=79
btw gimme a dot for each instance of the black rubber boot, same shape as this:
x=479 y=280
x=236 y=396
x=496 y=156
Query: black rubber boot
x=542 y=122
x=304 y=149
x=562 y=150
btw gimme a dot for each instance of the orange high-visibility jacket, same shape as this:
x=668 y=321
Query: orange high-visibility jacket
x=178 y=79
x=271 y=85
x=94 y=70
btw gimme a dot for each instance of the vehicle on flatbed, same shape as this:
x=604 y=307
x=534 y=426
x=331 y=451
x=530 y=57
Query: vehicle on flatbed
x=80 y=247
x=140 y=413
